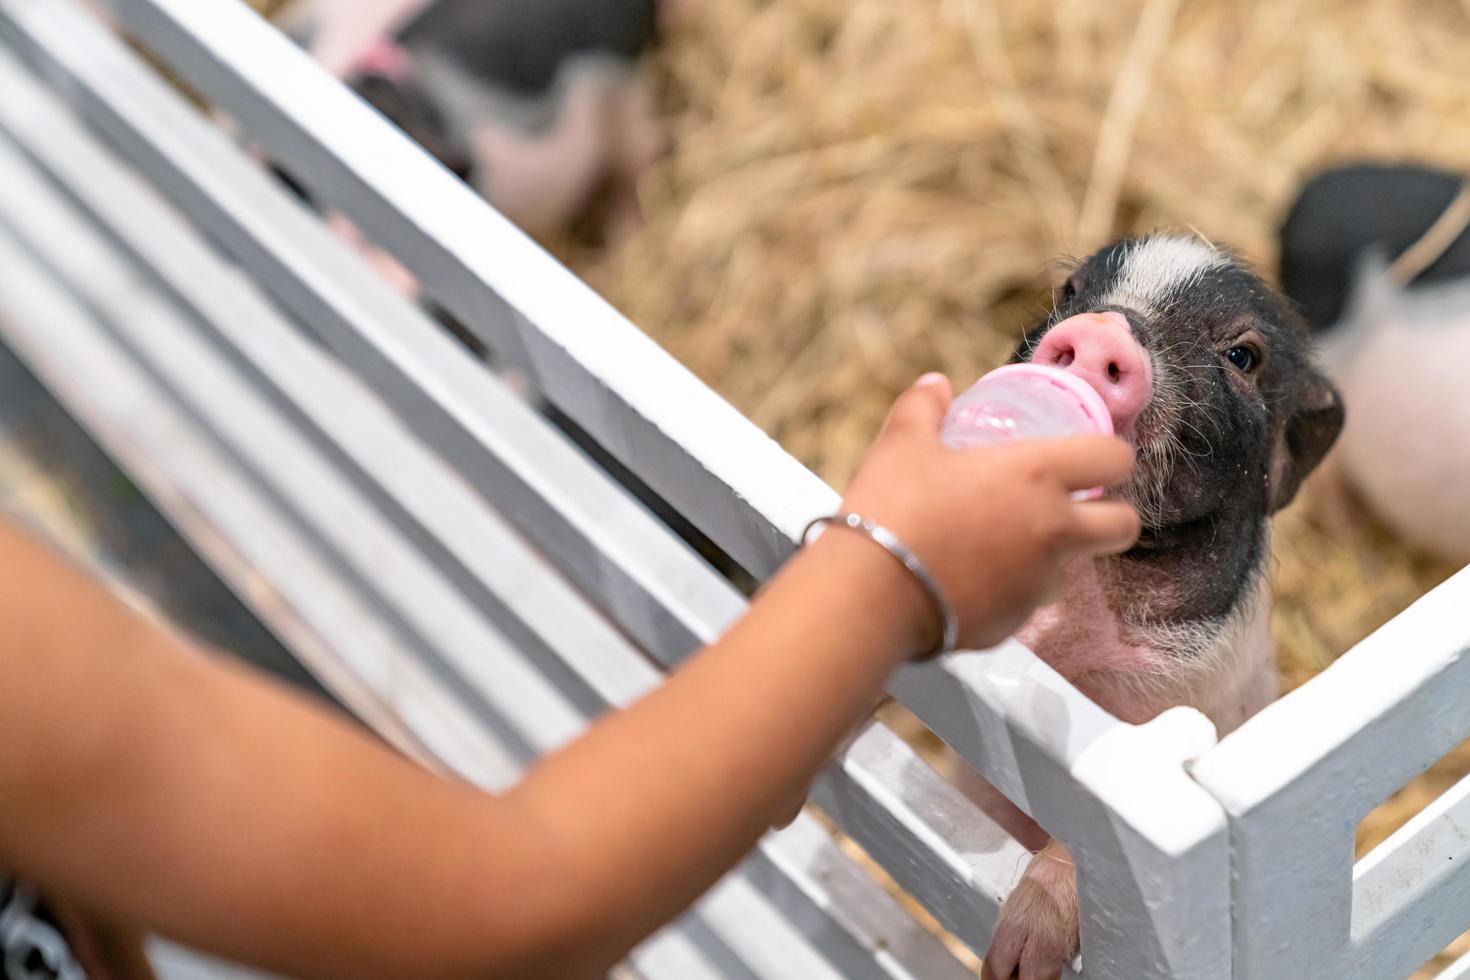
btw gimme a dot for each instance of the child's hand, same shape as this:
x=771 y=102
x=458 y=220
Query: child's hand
x=992 y=525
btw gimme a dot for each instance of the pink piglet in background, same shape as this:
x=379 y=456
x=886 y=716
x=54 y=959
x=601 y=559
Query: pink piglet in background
x=546 y=108
x=1378 y=257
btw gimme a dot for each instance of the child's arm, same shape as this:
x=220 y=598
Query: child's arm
x=153 y=787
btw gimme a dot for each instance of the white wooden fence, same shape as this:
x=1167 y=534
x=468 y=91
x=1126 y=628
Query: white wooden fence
x=476 y=588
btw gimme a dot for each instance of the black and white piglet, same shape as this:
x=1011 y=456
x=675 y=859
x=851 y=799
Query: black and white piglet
x=545 y=107
x=1208 y=372
x=1378 y=256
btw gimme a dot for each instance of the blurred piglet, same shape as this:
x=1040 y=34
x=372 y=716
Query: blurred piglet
x=546 y=106
x=1378 y=258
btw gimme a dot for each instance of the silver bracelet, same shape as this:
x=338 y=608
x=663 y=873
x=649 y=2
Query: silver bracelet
x=889 y=542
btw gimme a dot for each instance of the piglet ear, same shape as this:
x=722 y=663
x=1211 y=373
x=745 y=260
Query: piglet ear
x=1310 y=431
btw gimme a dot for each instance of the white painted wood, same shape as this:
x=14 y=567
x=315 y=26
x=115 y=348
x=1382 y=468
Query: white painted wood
x=1458 y=970
x=442 y=515
x=939 y=846
x=669 y=953
x=1297 y=779
x=720 y=471
x=1411 y=894
x=904 y=946
x=1118 y=795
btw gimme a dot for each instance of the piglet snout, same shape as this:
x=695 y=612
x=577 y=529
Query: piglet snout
x=1100 y=349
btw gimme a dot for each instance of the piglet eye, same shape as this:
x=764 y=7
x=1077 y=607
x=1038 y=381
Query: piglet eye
x=1245 y=358
x=1072 y=287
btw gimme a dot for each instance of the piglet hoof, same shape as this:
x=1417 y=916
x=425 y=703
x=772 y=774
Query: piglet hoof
x=1037 y=936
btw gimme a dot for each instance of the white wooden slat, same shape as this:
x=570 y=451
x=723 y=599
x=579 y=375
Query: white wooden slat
x=939 y=845
x=908 y=951
x=974 y=702
x=737 y=928
x=806 y=854
x=1117 y=794
x=1458 y=970
x=1298 y=778
x=442 y=510
x=239 y=532
x=1411 y=894
x=720 y=471
x=670 y=955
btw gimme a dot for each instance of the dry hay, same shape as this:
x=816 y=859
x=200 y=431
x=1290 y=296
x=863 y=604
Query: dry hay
x=864 y=190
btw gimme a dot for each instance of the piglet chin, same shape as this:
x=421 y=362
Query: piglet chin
x=1081 y=638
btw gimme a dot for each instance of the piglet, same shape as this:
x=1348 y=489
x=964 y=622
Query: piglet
x=546 y=107
x=1379 y=259
x=1208 y=372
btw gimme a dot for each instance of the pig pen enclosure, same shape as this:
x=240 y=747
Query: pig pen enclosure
x=927 y=164
x=920 y=165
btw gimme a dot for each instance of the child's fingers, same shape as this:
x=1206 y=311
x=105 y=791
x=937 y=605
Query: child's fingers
x=920 y=410
x=1103 y=527
x=1084 y=462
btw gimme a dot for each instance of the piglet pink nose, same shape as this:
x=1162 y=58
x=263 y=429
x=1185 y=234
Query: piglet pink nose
x=1100 y=349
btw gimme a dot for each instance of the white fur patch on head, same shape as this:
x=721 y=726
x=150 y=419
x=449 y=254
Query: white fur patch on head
x=1158 y=268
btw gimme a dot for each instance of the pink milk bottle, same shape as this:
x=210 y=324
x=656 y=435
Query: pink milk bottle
x=1025 y=401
